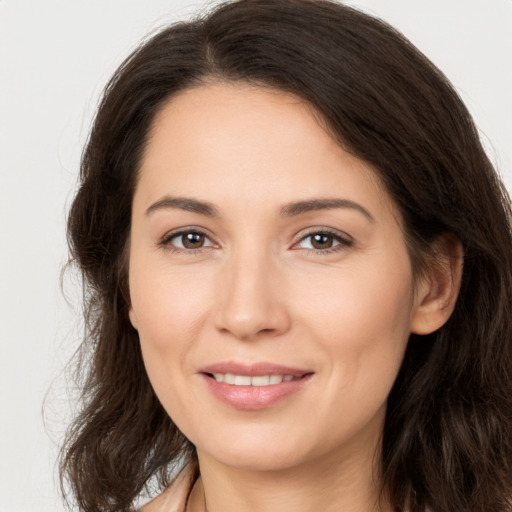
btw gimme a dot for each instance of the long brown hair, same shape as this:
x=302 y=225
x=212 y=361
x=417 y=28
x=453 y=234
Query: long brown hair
x=447 y=441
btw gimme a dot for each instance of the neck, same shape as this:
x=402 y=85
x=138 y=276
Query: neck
x=338 y=481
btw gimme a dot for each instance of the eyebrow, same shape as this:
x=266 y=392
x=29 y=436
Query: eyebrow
x=184 y=203
x=311 y=205
x=288 y=210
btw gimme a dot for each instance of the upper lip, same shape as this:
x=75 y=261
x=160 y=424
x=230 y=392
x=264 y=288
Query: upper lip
x=253 y=369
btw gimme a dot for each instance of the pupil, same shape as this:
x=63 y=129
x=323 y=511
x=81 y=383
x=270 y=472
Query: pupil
x=322 y=241
x=193 y=240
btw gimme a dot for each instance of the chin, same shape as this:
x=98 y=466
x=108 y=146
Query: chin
x=258 y=459
x=252 y=451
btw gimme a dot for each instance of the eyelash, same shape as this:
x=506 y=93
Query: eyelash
x=342 y=239
x=166 y=241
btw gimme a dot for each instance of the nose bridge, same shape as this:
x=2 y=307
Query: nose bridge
x=250 y=304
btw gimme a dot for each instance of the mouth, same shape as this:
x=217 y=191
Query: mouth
x=253 y=387
x=257 y=380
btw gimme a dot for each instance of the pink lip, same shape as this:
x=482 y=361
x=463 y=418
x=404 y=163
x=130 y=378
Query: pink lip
x=253 y=397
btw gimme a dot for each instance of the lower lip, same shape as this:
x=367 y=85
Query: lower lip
x=254 y=398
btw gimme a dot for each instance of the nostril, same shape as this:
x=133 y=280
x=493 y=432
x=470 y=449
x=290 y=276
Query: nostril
x=266 y=331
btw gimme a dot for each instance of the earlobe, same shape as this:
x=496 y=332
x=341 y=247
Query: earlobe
x=438 y=290
x=133 y=318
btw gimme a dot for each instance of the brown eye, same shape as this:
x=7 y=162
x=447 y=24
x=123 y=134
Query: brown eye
x=322 y=241
x=187 y=240
x=192 y=240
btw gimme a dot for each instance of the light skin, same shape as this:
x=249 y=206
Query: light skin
x=298 y=259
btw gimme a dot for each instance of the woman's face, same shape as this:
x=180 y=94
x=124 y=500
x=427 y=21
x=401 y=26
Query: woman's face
x=265 y=254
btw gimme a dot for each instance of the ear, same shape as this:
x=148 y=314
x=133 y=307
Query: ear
x=133 y=318
x=438 y=289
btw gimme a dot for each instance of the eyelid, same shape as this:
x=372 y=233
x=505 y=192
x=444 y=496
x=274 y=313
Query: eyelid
x=344 y=238
x=166 y=239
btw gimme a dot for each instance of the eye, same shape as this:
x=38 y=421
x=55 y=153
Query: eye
x=323 y=241
x=187 y=240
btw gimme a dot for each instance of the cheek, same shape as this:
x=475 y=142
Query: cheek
x=358 y=302
x=168 y=305
x=361 y=322
x=361 y=329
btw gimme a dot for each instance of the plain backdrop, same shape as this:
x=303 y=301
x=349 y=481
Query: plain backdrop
x=55 y=57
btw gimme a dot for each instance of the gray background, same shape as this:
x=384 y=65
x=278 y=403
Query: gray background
x=55 y=57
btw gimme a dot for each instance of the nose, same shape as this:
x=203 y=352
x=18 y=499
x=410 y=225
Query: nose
x=251 y=303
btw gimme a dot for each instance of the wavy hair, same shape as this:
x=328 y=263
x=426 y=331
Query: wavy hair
x=447 y=441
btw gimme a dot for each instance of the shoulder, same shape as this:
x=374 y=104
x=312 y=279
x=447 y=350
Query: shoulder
x=173 y=498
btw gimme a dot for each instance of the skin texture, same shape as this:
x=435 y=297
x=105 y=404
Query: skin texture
x=259 y=290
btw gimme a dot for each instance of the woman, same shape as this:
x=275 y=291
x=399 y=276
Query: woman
x=298 y=260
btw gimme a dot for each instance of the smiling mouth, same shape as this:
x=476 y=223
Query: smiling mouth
x=254 y=386
x=256 y=380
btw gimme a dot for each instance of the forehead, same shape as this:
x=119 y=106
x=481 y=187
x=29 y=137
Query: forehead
x=230 y=142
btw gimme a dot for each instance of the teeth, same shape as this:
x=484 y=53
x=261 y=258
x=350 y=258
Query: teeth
x=261 y=381
x=229 y=378
x=276 y=379
x=242 y=380
x=245 y=380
